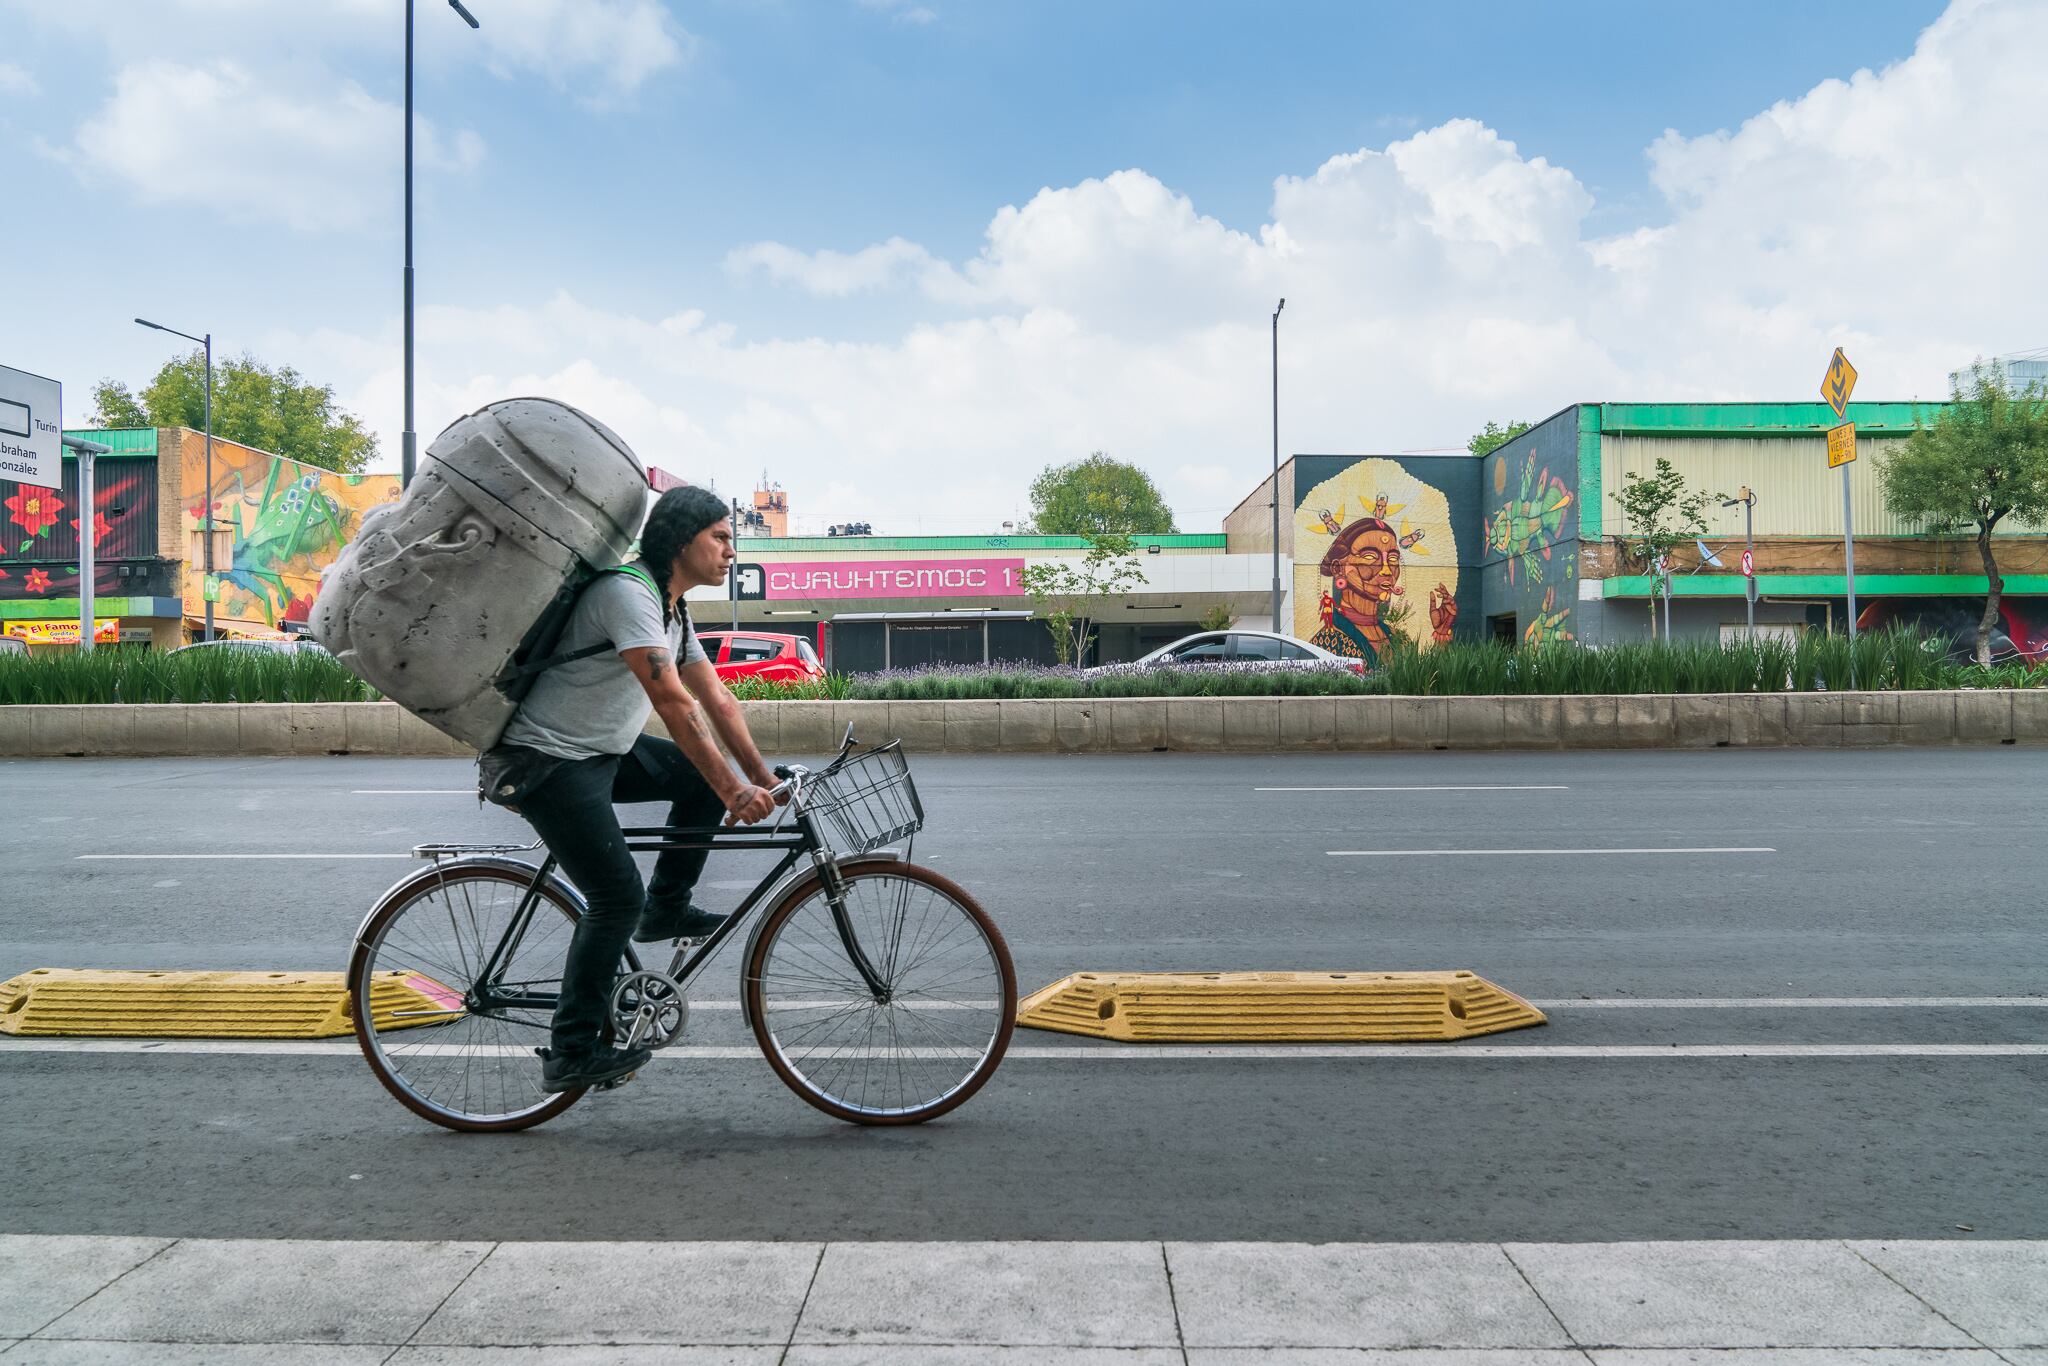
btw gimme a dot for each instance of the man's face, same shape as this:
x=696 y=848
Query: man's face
x=704 y=560
x=1373 y=568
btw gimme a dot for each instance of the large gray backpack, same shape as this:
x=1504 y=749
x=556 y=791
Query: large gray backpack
x=450 y=600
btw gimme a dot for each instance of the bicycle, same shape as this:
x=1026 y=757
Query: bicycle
x=869 y=982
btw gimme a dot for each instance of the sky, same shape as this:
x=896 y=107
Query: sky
x=900 y=255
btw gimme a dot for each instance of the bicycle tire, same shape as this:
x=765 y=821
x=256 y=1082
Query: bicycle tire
x=763 y=980
x=514 y=1068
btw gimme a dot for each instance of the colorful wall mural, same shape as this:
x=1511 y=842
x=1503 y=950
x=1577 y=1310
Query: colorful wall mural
x=1379 y=547
x=1532 y=532
x=39 y=531
x=284 y=523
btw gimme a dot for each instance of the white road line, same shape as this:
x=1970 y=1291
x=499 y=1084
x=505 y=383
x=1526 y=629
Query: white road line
x=1501 y=787
x=1106 y=1052
x=144 y=857
x=1790 y=1003
x=412 y=792
x=1470 y=853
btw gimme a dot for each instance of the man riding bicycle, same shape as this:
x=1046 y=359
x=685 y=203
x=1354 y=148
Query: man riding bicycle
x=575 y=747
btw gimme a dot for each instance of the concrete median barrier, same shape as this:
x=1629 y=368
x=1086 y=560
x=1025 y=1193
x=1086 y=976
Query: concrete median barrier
x=1194 y=725
x=1270 y=1007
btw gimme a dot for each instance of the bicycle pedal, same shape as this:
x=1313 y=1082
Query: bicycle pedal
x=615 y=1083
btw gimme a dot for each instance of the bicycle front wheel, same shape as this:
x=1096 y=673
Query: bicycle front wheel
x=951 y=996
x=453 y=1048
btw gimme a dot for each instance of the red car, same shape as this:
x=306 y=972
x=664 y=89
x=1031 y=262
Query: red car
x=757 y=654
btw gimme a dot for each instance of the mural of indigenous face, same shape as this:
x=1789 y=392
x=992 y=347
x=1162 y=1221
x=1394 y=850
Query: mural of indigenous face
x=1397 y=552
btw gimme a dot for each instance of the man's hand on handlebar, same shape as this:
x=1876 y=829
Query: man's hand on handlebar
x=749 y=804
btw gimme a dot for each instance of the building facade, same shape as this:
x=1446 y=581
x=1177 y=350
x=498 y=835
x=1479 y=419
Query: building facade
x=277 y=524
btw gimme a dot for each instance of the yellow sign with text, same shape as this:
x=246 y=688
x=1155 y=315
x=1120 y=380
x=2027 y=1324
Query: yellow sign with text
x=105 y=631
x=1841 y=445
x=1839 y=384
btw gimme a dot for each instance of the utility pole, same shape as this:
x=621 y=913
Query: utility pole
x=1747 y=498
x=88 y=543
x=1276 y=468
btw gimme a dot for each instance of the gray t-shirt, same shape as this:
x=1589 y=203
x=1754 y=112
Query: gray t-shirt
x=596 y=706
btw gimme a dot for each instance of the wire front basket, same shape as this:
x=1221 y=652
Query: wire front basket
x=866 y=802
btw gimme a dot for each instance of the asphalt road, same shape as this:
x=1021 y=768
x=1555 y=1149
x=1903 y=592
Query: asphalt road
x=1871 y=879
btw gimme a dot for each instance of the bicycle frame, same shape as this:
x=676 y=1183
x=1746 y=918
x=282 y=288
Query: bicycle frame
x=492 y=994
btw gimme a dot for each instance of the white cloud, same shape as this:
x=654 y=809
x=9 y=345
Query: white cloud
x=602 y=49
x=832 y=274
x=16 y=80
x=1434 y=283
x=300 y=147
x=903 y=11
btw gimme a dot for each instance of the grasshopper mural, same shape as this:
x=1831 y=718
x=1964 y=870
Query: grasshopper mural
x=287 y=522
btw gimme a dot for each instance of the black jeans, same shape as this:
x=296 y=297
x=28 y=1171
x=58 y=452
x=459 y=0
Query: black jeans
x=572 y=810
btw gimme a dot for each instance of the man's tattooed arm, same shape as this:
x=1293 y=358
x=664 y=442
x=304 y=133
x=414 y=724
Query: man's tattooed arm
x=657 y=663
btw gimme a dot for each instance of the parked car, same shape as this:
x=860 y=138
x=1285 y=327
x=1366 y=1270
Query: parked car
x=762 y=655
x=294 y=645
x=1243 y=647
x=11 y=645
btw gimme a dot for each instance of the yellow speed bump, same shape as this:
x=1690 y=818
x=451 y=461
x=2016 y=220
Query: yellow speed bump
x=86 y=1002
x=1302 y=1007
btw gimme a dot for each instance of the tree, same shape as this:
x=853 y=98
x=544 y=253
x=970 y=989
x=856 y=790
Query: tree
x=1659 y=514
x=1494 y=437
x=272 y=410
x=1098 y=496
x=1983 y=459
x=1060 y=589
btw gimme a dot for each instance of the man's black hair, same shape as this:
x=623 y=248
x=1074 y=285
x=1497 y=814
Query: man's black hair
x=679 y=516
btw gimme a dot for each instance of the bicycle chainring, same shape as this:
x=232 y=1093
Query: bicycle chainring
x=649 y=1010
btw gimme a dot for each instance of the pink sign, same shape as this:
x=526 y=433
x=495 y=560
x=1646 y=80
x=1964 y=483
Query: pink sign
x=894 y=579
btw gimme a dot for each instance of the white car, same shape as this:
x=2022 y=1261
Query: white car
x=1240 y=647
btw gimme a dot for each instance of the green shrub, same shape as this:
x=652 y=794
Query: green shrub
x=114 y=674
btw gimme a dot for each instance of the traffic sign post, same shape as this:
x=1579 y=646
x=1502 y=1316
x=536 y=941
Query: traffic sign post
x=31 y=429
x=1835 y=387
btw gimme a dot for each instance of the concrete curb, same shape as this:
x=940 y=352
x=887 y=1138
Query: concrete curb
x=1136 y=725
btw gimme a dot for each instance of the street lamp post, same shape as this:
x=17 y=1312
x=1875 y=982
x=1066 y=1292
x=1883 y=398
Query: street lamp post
x=409 y=442
x=1276 y=465
x=1747 y=499
x=206 y=550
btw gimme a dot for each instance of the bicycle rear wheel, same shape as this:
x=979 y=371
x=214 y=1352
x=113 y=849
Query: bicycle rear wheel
x=451 y=1049
x=951 y=1007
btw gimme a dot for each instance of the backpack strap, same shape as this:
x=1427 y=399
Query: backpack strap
x=571 y=656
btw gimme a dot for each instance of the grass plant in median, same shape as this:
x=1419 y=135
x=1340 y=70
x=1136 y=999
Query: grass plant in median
x=113 y=674
x=1893 y=659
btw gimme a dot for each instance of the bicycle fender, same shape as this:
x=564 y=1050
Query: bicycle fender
x=435 y=871
x=797 y=881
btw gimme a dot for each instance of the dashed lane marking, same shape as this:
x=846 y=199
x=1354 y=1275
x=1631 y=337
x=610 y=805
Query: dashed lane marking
x=1521 y=853
x=1433 y=787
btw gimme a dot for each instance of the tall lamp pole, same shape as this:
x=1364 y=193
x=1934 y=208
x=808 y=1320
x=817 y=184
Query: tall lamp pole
x=409 y=442
x=207 y=537
x=1276 y=466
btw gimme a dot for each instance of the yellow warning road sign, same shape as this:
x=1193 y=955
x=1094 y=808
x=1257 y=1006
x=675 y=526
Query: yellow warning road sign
x=1839 y=384
x=1841 y=443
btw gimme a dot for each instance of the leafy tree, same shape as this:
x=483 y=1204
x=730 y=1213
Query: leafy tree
x=1060 y=588
x=1984 y=458
x=1494 y=436
x=113 y=406
x=1098 y=496
x=1660 y=513
x=274 y=410
x=1217 y=618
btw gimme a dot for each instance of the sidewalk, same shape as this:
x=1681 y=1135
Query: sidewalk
x=108 y=1300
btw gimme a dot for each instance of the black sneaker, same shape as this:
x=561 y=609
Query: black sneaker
x=660 y=922
x=603 y=1066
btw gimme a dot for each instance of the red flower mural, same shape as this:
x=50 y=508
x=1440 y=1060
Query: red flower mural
x=100 y=526
x=36 y=582
x=35 y=510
